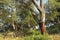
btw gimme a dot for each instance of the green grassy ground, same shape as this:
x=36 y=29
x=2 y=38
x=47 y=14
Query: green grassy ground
x=51 y=37
x=34 y=36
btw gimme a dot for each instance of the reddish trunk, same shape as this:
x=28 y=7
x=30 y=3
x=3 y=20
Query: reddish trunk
x=42 y=18
x=42 y=15
x=42 y=27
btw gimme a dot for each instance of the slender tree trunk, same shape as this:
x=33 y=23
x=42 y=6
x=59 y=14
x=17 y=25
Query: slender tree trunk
x=42 y=15
x=42 y=18
x=15 y=27
x=42 y=23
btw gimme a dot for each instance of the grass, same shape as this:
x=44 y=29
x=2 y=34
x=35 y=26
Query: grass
x=34 y=36
x=51 y=37
x=55 y=37
x=9 y=36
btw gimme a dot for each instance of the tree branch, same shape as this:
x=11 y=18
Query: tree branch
x=37 y=6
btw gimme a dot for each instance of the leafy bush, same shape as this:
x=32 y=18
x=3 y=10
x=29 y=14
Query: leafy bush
x=55 y=29
x=32 y=35
x=36 y=36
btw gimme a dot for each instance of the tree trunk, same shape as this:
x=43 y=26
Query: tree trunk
x=42 y=18
x=42 y=15
x=15 y=27
x=42 y=23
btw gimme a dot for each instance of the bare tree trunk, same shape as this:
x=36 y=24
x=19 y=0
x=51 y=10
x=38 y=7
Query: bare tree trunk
x=42 y=23
x=15 y=27
x=42 y=15
x=42 y=18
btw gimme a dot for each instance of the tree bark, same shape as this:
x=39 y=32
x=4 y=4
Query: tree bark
x=15 y=27
x=42 y=15
x=42 y=18
x=42 y=23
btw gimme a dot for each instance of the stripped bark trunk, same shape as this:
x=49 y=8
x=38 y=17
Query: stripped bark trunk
x=42 y=23
x=42 y=18
x=42 y=15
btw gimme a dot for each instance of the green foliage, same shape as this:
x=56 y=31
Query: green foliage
x=31 y=35
x=53 y=10
x=56 y=3
x=36 y=36
x=27 y=18
x=54 y=29
x=26 y=15
x=5 y=11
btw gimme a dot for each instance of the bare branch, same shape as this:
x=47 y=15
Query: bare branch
x=37 y=6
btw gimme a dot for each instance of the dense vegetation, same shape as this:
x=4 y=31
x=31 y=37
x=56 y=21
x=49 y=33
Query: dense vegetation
x=26 y=19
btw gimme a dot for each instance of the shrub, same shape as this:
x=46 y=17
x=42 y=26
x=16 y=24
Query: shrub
x=36 y=35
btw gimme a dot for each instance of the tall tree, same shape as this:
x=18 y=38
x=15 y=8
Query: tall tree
x=42 y=15
x=27 y=4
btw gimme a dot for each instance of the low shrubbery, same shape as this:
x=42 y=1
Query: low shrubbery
x=35 y=35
